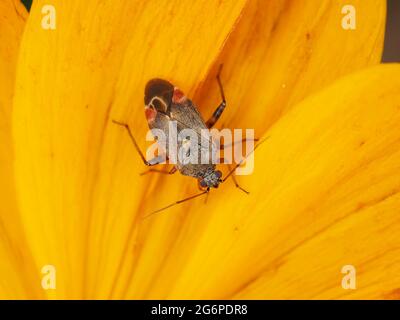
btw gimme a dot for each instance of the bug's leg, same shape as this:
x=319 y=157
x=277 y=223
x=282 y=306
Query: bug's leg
x=223 y=146
x=222 y=160
x=218 y=112
x=236 y=183
x=178 y=202
x=153 y=161
x=231 y=171
x=172 y=171
x=202 y=189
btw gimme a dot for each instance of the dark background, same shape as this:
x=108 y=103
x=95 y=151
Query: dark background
x=391 y=52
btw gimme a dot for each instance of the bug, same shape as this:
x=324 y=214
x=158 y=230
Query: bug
x=165 y=102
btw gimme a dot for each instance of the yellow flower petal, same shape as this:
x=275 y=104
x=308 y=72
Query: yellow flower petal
x=325 y=192
x=80 y=195
x=278 y=53
x=366 y=238
x=282 y=51
x=17 y=279
x=77 y=173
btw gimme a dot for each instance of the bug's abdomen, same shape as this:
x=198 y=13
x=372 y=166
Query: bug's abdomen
x=195 y=170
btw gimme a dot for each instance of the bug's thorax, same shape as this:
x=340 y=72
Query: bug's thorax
x=159 y=97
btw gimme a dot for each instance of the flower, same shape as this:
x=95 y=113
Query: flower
x=324 y=194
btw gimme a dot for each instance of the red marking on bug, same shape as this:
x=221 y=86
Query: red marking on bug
x=150 y=114
x=178 y=96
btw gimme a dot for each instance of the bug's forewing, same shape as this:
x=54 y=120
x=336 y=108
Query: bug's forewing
x=188 y=117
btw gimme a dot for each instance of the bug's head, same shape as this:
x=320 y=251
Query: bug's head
x=157 y=97
x=211 y=180
x=159 y=94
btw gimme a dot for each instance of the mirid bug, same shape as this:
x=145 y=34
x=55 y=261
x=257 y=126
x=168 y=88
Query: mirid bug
x=165 y=103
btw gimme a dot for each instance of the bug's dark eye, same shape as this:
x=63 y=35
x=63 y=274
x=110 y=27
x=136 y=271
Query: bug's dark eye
x=203 y=184
x=218 y=174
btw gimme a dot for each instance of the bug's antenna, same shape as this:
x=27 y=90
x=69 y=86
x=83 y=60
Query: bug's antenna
x=221 y=89
x=205 y=200
x=177 y=202
x=243 y=160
